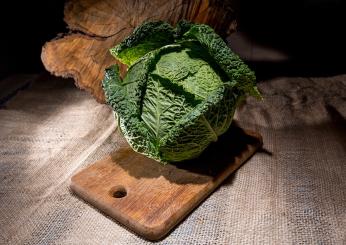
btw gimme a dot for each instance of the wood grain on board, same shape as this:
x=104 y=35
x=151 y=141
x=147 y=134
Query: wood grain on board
x=97 y=25
x=150 y=198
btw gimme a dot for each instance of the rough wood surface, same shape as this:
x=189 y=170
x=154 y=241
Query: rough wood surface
x=97 y=25
x=151 y=199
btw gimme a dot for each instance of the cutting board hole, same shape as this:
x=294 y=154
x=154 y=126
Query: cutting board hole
x=118 y=191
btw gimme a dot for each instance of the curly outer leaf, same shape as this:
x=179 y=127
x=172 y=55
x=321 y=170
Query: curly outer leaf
x=145 y=38
x=124 y=97
x=231 y=63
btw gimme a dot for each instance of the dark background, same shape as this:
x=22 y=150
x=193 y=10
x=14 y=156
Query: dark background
x=311 y=32
x=25 y=27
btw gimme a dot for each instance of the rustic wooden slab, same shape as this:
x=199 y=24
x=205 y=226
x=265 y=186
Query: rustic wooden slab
x=98 y=25
x=150 y=198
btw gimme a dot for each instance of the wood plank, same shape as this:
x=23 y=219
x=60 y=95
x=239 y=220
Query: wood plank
x=150 y=198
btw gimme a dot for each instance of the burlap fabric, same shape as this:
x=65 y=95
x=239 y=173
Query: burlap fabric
x=292 y=192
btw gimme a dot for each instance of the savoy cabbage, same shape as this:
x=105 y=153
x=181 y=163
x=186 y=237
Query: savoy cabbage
x=180 y=91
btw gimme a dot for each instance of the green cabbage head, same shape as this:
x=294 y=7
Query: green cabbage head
x=181 y=89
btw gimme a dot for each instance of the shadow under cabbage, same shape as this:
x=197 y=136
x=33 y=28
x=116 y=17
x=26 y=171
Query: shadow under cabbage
x=210 y=164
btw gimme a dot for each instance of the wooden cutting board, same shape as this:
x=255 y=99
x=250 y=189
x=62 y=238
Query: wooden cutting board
x=150 y=198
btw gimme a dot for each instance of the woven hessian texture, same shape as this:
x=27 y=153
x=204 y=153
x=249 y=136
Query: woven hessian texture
x=292 y=192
